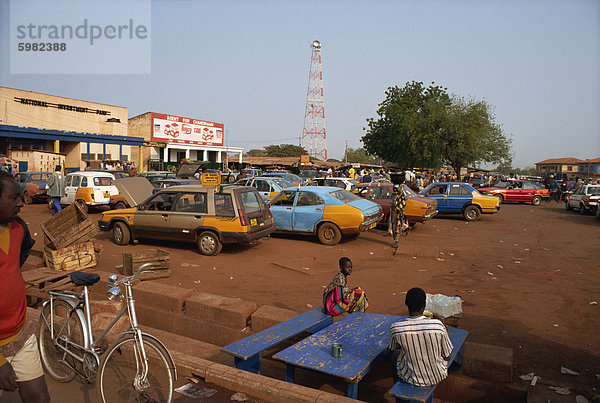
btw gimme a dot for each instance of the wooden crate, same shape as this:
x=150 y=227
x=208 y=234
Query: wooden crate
x=132 y=260
x=71 y=226
x=74 y=257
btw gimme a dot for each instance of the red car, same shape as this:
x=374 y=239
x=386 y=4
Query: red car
x=518 y=190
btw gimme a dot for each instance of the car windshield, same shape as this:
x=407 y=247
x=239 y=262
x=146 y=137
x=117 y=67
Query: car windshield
x=283 y=182
x=103 y=181
x=293 y=178
x=251 y=202
x=344 y=196
x=408 y=192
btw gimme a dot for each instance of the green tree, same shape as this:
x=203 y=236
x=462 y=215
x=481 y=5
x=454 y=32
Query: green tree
x=256 y=153
x=469 y=135
x=359 y=155
x=425 y=127
x=285 y=150
x=407 y=130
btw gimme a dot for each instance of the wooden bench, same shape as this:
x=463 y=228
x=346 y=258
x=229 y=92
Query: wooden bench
x=405 y=392
x=246 y=352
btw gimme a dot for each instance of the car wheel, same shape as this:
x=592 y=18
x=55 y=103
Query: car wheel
x=82 y=205
x=121 y=234
x=582 y=209
x=120 y=206
x=209 y=244
x=329 y=234
x=499 y=196
x=27 y=199
x=536 y=200
x=471 y=213
x=568 y=206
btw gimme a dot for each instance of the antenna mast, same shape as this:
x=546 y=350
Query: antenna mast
x=314 y=139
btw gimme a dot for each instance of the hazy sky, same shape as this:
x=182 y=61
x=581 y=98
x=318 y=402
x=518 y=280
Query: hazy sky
x=246 y=64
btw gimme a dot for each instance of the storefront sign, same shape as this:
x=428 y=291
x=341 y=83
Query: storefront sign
x=180 y=130
x=305 y=159
x=155 y=144
x=65 y=107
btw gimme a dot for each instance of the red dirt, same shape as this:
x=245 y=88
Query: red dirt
x=527 y=276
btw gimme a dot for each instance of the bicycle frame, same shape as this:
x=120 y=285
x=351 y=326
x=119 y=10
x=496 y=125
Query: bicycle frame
x=80 y=304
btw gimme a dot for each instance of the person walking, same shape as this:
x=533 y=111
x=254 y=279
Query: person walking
x=56 y=188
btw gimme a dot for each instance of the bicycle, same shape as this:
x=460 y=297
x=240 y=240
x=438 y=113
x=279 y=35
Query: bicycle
x=136 y=367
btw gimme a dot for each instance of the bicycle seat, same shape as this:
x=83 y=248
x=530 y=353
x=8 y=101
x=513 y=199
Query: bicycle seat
x=80 y=278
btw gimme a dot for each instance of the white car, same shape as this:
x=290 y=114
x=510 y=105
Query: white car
x=89 y=188
x=268 y=187
x=576 y=200
x=343 y=183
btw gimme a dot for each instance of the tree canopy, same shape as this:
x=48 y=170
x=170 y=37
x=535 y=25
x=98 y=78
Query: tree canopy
x=359 y=155
x=426 y=127
x=283 y=150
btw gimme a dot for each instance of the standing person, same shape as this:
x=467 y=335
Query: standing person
x=398 y=222
x=338 y=298
x=420 y=346
x=20 y=365
x=56 y=188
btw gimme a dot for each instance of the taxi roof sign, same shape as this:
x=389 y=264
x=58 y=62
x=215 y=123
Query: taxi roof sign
x=210 y=179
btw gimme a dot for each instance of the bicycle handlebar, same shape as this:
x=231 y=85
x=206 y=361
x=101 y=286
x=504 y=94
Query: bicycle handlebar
x=139 y=271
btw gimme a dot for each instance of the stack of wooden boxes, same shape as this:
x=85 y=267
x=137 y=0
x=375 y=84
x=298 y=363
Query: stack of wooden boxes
x=70 y=236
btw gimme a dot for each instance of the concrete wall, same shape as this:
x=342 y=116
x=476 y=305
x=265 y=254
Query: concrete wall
x=39 y=160
x=206 y=317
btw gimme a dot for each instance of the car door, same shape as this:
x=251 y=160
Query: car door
x=513 y=192
x=382 y=195
x=576 y=197
x=458 y=196
x=527 y=191
x=71 y=189
x=282 y=207
x=188 y=213
x=439 y=192
x=152 y=219
x=307 y=212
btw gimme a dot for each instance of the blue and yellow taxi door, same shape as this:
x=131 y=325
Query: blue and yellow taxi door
x=308 y=211
x=459 y=195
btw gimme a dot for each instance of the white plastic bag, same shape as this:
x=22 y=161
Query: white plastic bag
x=443 y=304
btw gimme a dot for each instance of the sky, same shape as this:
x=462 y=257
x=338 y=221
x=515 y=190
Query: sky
x=246 y=64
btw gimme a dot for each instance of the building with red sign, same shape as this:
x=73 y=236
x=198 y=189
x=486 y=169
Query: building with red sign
x=170 y=139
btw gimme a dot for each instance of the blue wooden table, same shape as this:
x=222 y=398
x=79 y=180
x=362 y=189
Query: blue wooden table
x=364 y=338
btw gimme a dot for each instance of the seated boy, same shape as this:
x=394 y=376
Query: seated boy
x=420 y=346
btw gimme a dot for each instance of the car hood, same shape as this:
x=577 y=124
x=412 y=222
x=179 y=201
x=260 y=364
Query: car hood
x=366 y=206
x=135 y=189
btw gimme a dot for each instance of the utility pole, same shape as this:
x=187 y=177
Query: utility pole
x=346 y=152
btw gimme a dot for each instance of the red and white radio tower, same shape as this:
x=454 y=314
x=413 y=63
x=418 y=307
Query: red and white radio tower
x=314 y=139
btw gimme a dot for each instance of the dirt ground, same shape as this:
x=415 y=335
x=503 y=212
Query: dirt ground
x=528 y=277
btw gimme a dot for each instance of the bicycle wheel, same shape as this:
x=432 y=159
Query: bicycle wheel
x=118 y=371
x=67 y=327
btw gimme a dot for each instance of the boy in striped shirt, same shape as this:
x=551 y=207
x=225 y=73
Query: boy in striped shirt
x=420 y=345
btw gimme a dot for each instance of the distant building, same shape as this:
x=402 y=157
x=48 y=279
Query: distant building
x=568 y=168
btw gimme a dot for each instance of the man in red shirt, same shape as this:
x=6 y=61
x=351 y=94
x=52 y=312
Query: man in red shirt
x=20 y=366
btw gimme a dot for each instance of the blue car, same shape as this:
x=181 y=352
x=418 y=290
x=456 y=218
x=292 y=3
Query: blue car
x=29 y=192
x=461 y=198
x=325 y=211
